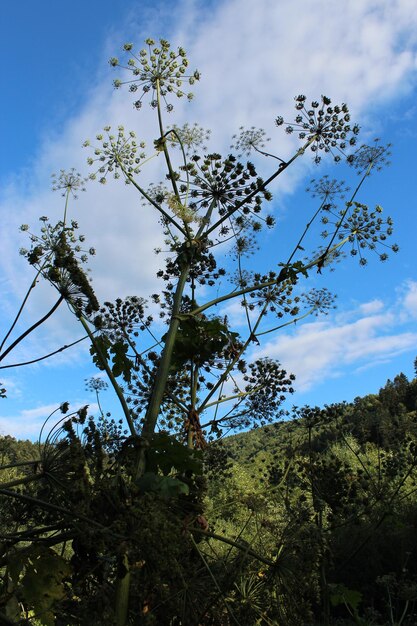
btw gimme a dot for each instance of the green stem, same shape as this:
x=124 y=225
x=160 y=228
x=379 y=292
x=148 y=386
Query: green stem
x=152 y=201
x=122 y=594
x=235 y=544
x=216 y=584
x=46 y=356
x=294 y=321
x=269 y=283
x=171 y=173
x=21 y=481
x=53 y=507
x=234 y=361
x=162 y=374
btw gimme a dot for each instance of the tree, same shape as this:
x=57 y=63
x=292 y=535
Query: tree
x=193 y=382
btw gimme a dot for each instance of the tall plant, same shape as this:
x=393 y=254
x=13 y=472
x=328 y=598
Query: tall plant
x=194 y=381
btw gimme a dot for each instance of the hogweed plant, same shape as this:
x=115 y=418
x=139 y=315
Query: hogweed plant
x=183 y=387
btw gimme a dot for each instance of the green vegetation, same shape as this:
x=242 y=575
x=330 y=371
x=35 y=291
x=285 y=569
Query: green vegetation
x=145 y=517
x=320 y=513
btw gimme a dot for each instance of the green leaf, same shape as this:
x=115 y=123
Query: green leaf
x=166 y=486
x=166 y=454
x=37 y=573
x=100 y=347
x=200 y=340
x=343 y=595
x=122 y=365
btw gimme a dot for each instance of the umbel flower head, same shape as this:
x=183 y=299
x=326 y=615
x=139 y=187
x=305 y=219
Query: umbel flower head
x=249 y=140
x=367 y=158
x=58 y=255
x=68 y=182
x=116 y=153
x=190 y=137
x=157 y=70
x=362 y=228
x=326 y=128
x=327 y=189
x=224 y=184
x=319 y=300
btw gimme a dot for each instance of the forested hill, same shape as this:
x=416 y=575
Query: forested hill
x=382 y=419
x=331 y=496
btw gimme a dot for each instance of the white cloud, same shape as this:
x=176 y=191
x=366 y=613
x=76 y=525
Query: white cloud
x=327 y=349
x=27 y=423
x=410 y=299
x=254 y=57
x=374 y=306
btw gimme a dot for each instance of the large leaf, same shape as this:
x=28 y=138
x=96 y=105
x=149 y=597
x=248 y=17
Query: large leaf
x=37 y=574
x=200 y=340
x=166 y=486
x=166 y=454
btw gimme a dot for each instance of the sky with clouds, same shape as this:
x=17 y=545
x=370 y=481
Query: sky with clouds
x=253 y=58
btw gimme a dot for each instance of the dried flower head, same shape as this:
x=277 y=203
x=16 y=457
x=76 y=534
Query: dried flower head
x=190 y=136
x=277 y=298
x=69 y=182
x=320 y=300
x=327 y=189
x=325 y=128
x=123 y=318
x=249 y=140
x=156 y=70
x=116 y=153
x=58 y=255
x=95 y=383
x=367 y=158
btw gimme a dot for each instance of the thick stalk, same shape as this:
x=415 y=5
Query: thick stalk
x=162 y=374
x=122 y=594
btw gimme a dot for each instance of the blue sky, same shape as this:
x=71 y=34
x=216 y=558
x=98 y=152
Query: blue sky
x=57 y=88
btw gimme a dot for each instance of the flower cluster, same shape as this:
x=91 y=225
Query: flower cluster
x=95 y=383
x=324 y=127
x=276 y=298
x=367 y=158
x=362 y=228
x=266 y=386
x=123 y=318
x=158 y=70
x=190 y=136
x=225 y=184
x=69 y=182
x=116 y=152
x=327 y=189
x=57 y=254
x=320 y=300
x=249 y=140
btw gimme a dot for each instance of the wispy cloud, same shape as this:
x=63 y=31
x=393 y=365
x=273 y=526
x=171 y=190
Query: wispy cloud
x=322 y=350
x=253 y=61
x=254 y=57
x=27 y=423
